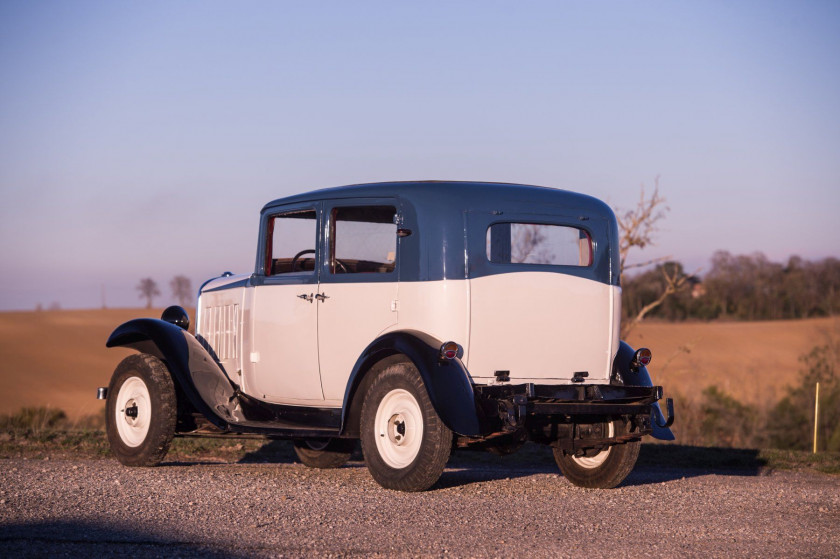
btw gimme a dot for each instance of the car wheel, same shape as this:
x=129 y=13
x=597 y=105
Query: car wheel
x=324 y=453
x=602 y=470
x=406 y=445
x=141 y=411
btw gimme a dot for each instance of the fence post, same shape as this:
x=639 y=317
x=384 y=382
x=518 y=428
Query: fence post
x=816 y=415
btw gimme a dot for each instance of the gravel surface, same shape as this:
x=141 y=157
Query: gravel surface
x=478 y=509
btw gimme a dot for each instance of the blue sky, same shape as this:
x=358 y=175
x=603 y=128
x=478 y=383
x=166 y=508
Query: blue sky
x=142 y=138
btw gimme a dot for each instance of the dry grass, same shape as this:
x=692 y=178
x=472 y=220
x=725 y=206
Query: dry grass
x=755 y=362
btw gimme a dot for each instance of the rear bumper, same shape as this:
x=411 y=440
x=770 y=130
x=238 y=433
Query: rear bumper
x=573 y=399
x=534 y=407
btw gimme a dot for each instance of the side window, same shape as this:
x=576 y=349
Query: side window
x=537 y=243
x=291 y=243
x=363 y=240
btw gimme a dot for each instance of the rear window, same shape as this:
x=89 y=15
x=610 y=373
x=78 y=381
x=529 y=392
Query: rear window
x=538 y=243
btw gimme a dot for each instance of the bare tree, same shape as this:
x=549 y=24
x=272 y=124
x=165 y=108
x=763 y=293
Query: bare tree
x=638 y=225
x=636 y=230
x=181 y=289
x=525 y=240
x=148 y=289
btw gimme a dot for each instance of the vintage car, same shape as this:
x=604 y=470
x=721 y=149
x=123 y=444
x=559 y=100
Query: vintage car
x=415 y=317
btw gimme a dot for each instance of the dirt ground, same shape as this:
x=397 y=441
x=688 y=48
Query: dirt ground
x=58 y=358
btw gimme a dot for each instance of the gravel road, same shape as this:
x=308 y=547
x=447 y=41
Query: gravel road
x=491 y=508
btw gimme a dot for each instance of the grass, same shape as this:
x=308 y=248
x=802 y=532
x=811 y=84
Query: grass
x=44 y=433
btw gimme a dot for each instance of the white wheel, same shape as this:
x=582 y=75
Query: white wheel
x=399 y=428
x=589 y=462
x=405 y=443
x=141 y=412
x=604 y=469
x=133 y=412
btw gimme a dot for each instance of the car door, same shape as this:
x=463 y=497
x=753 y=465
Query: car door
x=284 y=319
x=358 y=285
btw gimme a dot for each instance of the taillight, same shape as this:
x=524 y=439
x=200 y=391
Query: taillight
x=641 y=358
x=449 y=350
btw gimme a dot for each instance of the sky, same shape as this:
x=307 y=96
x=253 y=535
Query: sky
x=141 y=139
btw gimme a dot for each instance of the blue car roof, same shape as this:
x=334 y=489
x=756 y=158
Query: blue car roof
x=462 y=193
x=449 y=220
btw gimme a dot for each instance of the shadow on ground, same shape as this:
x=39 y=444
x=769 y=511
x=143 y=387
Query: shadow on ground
x=657 y=463
x=95 y=539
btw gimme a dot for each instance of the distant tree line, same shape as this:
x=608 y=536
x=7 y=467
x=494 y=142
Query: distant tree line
x=739 y=287
x=181 y=287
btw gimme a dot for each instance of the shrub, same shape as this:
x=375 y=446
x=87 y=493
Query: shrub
x=791 y=423
x=728 y=423
x=35 y=420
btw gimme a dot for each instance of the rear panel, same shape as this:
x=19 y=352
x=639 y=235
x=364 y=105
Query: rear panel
x=544 y=303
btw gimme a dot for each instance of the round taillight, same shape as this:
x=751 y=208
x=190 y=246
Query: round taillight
x=642 y=357
x=449 y=350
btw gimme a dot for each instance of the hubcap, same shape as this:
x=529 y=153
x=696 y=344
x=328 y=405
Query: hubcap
x=133 y=412
x=399 y=428
x=396 y=429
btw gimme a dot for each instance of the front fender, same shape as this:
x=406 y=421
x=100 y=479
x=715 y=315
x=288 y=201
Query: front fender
x=193 y=368
x=641 y=377
x=447 y=382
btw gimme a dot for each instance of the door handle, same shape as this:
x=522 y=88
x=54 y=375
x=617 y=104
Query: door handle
x=321 y=297
x=306 y=297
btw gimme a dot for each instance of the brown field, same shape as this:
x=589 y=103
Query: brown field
x=753 y=361
x=58 y=358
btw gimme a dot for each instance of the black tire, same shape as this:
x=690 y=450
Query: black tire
x=406 y=445
x=141 y=411
x=324 y=453
x=604 y=470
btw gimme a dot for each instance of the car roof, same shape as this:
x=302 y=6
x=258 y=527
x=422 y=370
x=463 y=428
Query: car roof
x=464 y=194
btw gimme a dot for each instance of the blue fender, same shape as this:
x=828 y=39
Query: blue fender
x=193 y=368
x=641 y=377
x=447 y=382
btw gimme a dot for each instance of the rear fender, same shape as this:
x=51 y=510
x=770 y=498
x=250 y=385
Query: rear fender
x=641 y=377
x=447 y=382
x=190 y=363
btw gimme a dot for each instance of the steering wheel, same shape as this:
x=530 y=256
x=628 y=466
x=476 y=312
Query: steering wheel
x=298 y=255
x=339 y=263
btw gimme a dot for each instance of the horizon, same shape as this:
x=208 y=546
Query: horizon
x=141 y=140
x=169 y=299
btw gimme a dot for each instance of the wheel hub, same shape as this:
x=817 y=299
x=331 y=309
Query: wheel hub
x=131 y=411
x=399 y=428
x=396 y=429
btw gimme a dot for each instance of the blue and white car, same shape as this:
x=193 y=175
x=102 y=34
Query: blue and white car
x=415 y=317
